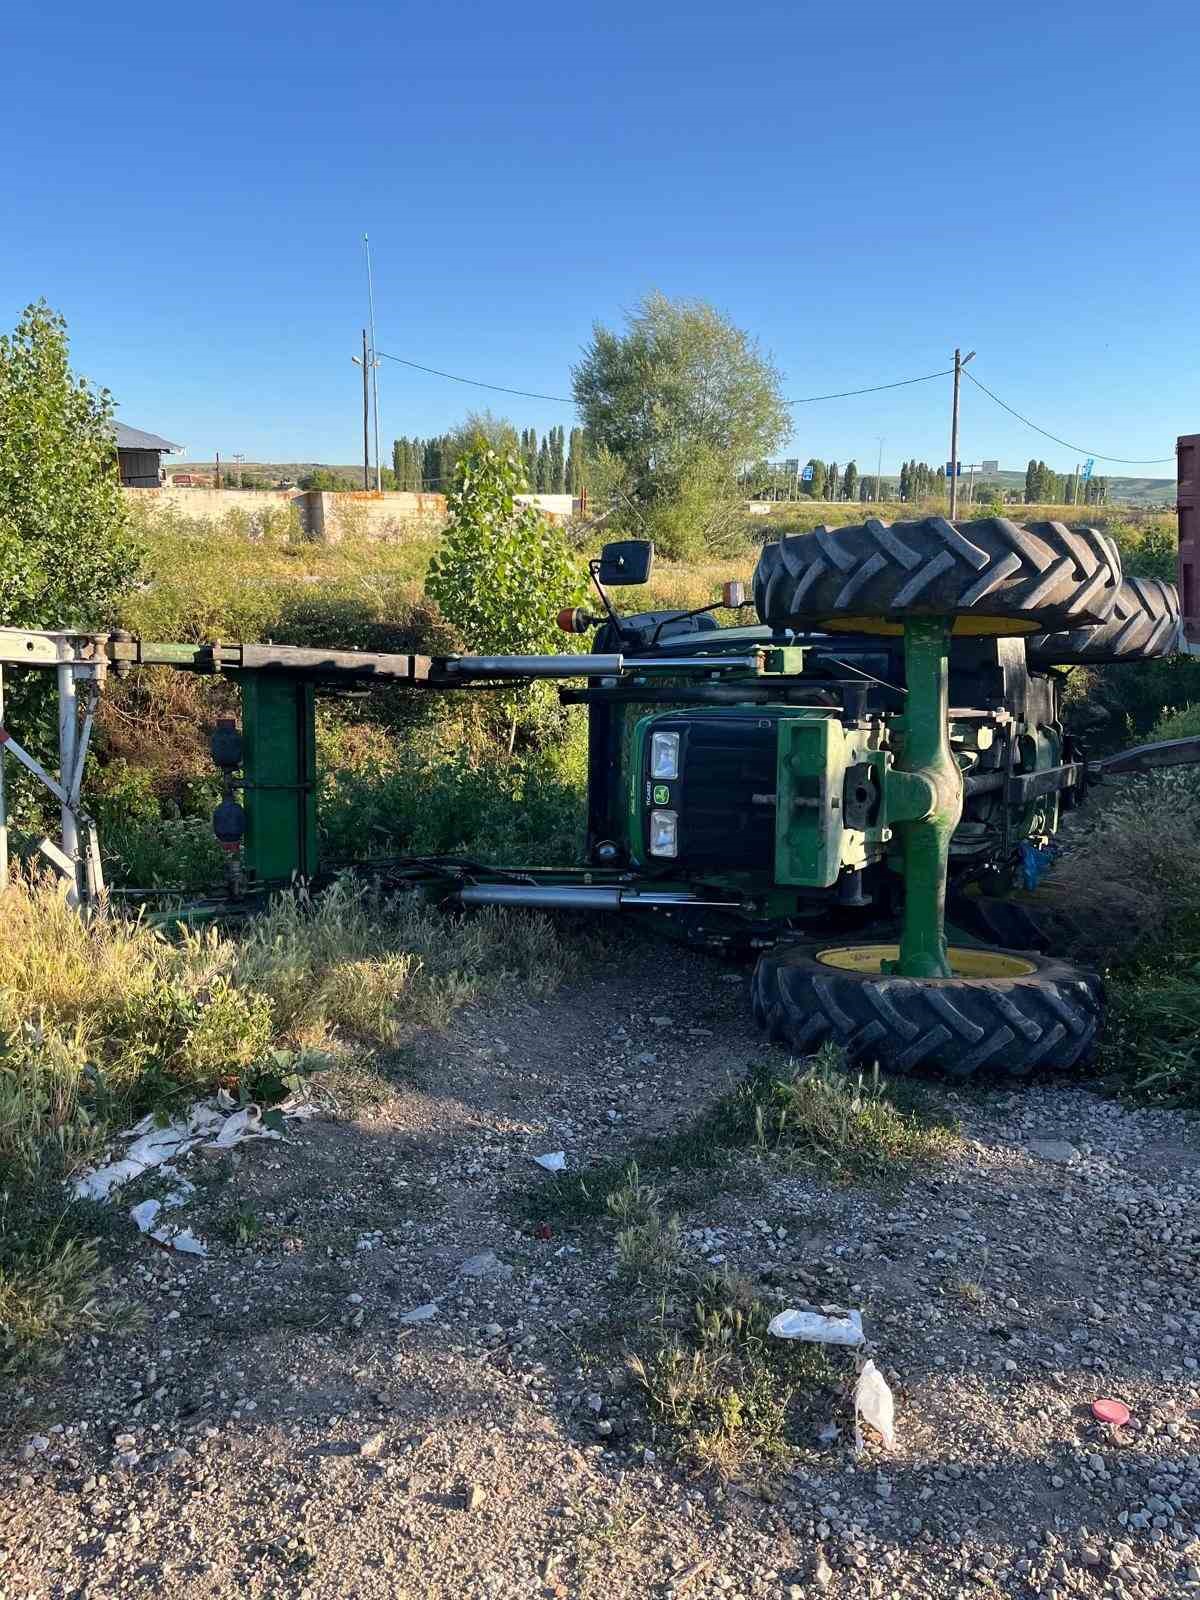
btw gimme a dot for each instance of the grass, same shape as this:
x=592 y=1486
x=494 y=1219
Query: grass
x=722 y=1391
x=1128 y=892
x=812 y=1114
x=102 y=1021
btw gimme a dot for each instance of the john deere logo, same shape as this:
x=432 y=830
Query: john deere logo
x=662 y=795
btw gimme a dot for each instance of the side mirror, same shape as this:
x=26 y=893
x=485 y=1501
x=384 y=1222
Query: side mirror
x=625 y=561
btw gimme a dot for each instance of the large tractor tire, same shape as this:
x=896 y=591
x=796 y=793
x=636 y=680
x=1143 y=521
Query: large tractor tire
x=992 y=576
x=1003 y=1011
x=1144 y=623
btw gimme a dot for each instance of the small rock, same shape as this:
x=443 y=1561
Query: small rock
x=822 y=1573
x=485 y=1265
x=1053 y=1150
x=474 y=1498
x=424 y=1313
x=372 y=1445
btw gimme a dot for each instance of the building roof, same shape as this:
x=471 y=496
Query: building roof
x=135 y=439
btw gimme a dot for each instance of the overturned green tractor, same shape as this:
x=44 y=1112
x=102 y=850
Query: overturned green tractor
x=882 y=749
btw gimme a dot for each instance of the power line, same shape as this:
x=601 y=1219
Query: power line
x=1125 y=461
x=804 y=400
x=529 y=394
x=811 y=399
x=476 y=383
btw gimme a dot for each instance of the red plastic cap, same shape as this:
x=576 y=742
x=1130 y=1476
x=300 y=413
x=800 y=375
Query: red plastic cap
x=1114 y=1411
x=566 y=619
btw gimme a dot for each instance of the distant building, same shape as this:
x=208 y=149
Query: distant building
x=140 y=456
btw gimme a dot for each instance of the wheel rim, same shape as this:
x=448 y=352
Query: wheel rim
x=965 y=962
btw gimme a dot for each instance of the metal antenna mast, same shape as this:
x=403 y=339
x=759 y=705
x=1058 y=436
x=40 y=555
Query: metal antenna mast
x=374 y=362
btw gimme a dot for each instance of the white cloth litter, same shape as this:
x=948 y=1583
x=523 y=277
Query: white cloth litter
x=833 y=1327
x=210 y=1123
x=553 y=1160
x=874 y=1405
x=181 y=1239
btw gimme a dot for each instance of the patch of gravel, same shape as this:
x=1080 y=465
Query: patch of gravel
x=399 y=1389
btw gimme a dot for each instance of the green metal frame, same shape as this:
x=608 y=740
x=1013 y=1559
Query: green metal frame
x=924 y=797
x=280 y=767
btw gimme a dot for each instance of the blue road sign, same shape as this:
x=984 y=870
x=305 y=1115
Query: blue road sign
x=1087 y=469
x=806 y=475
x=950 y=472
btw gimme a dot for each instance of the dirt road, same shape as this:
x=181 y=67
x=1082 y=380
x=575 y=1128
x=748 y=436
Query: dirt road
x=385 y=1380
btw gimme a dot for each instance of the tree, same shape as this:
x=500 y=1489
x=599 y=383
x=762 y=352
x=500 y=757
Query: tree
x=576 y=449
x=850 y=481
x=682 y=402
x=1031 y=482
x=322 y=478
x=832 y=481
x=502 y=571
x=816 y=484
x=558 y=466
x=66 y=550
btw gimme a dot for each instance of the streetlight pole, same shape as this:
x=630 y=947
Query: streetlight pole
x=362 y=362
x=374 y=362
x=879 y=469
x=959 y=363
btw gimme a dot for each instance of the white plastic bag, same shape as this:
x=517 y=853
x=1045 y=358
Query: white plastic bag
x=833 y=1327
x=874 y=1405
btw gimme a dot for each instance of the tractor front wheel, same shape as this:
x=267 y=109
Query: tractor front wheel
x=1001 y=1010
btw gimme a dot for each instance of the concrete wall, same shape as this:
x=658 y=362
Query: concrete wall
x=327 y=518
x=363 y=514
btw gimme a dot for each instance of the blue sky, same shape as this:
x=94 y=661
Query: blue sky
x=862 y=187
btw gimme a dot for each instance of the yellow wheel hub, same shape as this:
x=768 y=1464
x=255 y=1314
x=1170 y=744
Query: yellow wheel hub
x=965 y=962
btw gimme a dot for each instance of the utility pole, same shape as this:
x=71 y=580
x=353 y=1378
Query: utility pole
x=879 y=469
x=374 y=362
x=362 y=362
x=959 y=363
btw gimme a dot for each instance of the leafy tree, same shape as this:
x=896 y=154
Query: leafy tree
x=502 y=571
x=681 y=402
x=816 y=484
x=542 y=479
x=322 y=478
x=575 y=476
x=558 y=465
x=1031 y=482
x=832 y=481
x=66 y=550
x=529 y=453
x=850 y=481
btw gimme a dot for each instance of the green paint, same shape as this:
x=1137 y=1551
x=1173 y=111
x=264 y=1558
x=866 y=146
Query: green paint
x=924 y=797
x=281 y=778
x=810 y=771
x=662 y=795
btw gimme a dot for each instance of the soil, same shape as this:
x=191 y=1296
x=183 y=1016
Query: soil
x=335 y=1407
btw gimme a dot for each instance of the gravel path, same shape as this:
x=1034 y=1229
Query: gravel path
x=398 y=1388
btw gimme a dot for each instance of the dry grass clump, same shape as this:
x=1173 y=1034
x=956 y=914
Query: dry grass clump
x=1131 y=871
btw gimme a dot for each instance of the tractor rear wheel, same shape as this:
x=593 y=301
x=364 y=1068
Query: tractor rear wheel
x=1144 y=624
x=1001 y=1011
x=992 y=576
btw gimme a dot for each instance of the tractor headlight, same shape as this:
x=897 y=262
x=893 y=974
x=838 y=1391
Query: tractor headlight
x=664 y=832
x=664 y=757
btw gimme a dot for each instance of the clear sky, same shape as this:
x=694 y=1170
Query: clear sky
x=860 y=186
